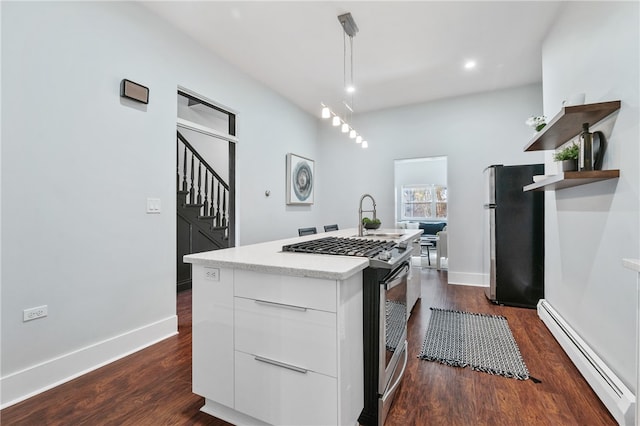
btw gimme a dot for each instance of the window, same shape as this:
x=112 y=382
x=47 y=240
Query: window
x=424 y=202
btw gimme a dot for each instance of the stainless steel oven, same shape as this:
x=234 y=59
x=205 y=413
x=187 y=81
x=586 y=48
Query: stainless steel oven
x=393 y=336
x=385 y=339
x=384 y=290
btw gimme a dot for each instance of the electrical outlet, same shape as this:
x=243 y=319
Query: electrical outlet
x=34 y=313
x=212 y=274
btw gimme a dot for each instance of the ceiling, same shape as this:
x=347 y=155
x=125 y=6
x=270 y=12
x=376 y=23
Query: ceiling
x=404 y=52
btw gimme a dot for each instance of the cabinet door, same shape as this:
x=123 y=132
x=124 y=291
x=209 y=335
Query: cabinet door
x=290 y=334
x=282 y=396
x=212 y=338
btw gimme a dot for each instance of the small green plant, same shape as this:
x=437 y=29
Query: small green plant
x=537 y=123
x=366 y=220
x=568 y=153
x=371 y=223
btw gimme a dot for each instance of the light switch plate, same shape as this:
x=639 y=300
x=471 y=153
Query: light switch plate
x=153 y=205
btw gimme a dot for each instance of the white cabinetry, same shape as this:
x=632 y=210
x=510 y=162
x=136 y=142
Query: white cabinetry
x=278 y=348
x=212 y=332
x=413 y=284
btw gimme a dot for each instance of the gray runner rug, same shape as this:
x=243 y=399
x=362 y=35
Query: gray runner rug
x=482 y=342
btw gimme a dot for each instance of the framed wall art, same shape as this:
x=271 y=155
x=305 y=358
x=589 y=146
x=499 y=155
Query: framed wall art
x=300 y=180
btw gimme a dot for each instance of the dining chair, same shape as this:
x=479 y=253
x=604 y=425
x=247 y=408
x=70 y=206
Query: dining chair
x=307 y=231
x=328 y=228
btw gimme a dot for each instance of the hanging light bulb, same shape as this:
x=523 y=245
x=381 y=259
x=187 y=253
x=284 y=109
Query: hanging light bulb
x=365 y=144
x=345 y=127
x=336 y=120
x=326 y=112
x=352 y=134
x=358 y=139
x=350 y=88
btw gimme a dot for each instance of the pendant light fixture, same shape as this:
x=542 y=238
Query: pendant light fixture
x=350 y=29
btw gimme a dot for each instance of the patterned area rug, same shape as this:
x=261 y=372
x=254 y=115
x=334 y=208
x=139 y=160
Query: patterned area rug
x=482 y=342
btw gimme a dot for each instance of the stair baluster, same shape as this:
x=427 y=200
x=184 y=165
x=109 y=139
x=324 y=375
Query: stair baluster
x=211 y=210
x=192 y=190
x=199 y=198
x=184 y=173
x=206 y=193
x=224 y=209
x=218 y=206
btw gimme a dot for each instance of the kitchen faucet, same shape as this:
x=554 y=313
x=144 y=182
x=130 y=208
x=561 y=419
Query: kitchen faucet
x=360 y=227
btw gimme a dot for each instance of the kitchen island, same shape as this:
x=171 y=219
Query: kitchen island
x=278 y=336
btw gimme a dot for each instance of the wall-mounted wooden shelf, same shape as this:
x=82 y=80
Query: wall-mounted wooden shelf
x=569 y=179
x=567 y=124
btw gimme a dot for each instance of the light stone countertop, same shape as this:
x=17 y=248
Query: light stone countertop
x=269 y=257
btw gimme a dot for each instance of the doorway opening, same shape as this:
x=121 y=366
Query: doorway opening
x=421 y=196
x=205 y=179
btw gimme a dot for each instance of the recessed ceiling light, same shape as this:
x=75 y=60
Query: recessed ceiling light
x=470 y=64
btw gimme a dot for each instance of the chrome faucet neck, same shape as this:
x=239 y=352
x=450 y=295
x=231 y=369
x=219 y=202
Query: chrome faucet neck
x=360 y=211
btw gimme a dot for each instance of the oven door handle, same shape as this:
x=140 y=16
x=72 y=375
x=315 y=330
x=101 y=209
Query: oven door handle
x=396 y=276
x=399 y=378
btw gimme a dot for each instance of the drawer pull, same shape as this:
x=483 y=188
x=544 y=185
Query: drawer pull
x=281 y=364
x=281 y=305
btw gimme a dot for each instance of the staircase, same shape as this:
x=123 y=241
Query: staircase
x=202 y=212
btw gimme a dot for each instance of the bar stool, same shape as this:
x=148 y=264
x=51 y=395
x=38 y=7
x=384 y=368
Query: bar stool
x=307 y=231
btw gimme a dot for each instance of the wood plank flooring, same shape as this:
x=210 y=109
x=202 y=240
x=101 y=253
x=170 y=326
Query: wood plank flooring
x=153 y=386
x=435 y=394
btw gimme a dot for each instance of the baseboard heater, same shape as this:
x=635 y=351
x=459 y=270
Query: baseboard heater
x=618 y=399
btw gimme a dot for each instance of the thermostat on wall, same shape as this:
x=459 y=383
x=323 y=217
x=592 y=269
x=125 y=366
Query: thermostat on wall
x=135 y=91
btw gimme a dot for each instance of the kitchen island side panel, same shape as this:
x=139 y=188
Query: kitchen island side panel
x=212 y=335
x=350 y=347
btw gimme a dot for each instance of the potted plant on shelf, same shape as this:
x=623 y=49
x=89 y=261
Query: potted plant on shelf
x=568 y=156
x=537 y=122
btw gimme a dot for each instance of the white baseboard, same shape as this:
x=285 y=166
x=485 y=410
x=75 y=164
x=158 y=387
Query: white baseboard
x=618 y=399
x=31 y=381
x=466 y=278
x=229 y=414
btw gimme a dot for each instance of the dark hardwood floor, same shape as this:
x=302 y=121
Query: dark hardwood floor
x=153 y=386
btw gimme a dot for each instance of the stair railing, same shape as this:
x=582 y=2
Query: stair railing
x=214 y=204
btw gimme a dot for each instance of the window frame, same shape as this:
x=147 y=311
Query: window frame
x=432 y=199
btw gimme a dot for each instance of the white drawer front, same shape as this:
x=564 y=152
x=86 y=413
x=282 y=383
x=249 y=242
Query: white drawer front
x=282 y=396
x=300 y=291
x=302 y=337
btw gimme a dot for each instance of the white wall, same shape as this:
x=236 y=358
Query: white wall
x=472 y=131
x=78 y=163
x=593 y=48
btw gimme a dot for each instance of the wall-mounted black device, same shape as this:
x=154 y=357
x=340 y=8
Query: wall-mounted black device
x=135 y=91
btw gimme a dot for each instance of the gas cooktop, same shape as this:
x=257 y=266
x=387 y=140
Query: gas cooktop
x=382 y=253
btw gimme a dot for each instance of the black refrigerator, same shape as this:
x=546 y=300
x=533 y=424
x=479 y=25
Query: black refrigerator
x=514 y=236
